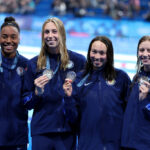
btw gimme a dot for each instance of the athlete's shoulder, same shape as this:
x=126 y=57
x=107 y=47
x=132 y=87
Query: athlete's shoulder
x=75 y=55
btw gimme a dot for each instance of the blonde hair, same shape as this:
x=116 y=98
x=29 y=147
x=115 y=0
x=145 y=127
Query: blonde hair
x=64 y=57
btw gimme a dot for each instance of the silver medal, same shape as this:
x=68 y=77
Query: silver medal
x=48 y=73
x=142 y=79
x=71 y=75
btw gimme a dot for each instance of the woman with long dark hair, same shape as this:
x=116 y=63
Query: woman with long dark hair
x=100 y=93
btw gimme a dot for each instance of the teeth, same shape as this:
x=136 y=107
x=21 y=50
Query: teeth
x=8 y=47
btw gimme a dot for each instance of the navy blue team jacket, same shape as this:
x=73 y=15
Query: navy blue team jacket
x=100 y=109
x=48 y=115
x=13 y=114
x=136 y=127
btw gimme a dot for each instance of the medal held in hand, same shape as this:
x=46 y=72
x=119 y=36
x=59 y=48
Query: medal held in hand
x=48 y=73
x=71 y=75
x=142 y=79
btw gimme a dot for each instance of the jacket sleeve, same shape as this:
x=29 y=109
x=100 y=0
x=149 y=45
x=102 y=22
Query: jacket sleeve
x=70 y=105
x=126 y=86
x=145 y=106
x=29 y=98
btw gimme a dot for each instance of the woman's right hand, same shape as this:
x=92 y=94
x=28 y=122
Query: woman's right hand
x=39 y=83
x=67 y=86
x=144 y=90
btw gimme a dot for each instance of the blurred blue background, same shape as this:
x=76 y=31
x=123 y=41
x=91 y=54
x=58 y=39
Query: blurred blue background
x=123 y=21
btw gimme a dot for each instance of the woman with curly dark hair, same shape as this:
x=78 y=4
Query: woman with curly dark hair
x=13 y=114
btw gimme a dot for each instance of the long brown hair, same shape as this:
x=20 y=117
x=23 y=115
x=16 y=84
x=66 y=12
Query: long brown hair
x=109 y=71
x=64 y=57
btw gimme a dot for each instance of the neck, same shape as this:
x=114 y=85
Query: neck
x=99 y=68
x=11 y=55
x=147 y=68
x=53 y=50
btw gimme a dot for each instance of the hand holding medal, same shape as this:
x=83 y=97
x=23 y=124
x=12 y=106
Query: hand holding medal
x=144 y=87
x=142 y=79
x=49 y=73
x=41 y=81
x=70 y=77
x=67 y=86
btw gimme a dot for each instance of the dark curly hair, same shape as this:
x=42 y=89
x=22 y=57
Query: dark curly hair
x=10 y=21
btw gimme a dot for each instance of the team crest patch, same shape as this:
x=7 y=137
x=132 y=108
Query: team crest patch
x=70 y=64
x=112 y=82
x=20 y=71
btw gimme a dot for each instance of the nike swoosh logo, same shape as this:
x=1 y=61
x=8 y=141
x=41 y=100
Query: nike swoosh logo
x=86 y=84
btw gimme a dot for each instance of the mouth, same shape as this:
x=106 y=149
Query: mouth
x=8 y=47
x=97 y=63
x=50 y=42
x=145 y=60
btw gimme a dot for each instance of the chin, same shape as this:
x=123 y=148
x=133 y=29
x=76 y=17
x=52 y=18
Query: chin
x=146 y=64
x=98 y=65
x=9 y=52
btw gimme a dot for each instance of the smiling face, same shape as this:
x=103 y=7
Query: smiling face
x=98 y=54
x=51 y=37
x=9 y=39
x=144 y=53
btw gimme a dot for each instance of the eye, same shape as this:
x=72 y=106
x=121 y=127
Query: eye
x=54 y=31
x=93 y=51
x=102 y=52
x=46 y=31
x=4 y=36
x=148 y=50
x=141 y=49
x=13 y=37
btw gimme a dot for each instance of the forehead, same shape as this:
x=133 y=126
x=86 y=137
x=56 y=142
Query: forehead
x=50 y=25
x=145 y=44
x=99 y=45
x=9 y=30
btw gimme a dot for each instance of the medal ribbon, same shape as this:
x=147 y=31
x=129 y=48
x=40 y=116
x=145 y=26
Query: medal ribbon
x=83 y=80
x=13 y=64
x=48 y=65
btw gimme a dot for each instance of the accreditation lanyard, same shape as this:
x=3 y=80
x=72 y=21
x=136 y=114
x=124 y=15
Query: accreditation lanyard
x=83 y=80
x=13 y=64
x=49 y=67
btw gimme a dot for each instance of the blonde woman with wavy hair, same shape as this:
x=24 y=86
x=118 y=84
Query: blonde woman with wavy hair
x=62 y=45
x=46 y=73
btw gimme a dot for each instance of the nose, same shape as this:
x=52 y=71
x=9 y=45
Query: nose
x=50 y=34
x=8 y=40
x=97 y=56
x=145 y=53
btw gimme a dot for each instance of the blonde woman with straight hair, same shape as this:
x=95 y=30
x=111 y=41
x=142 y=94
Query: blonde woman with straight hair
x=50 y=129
